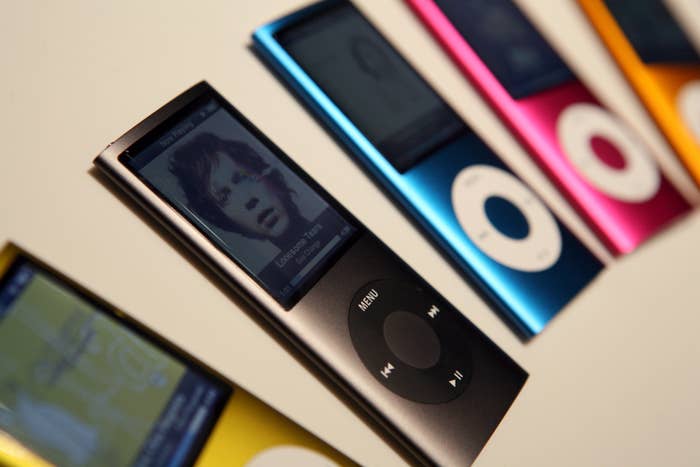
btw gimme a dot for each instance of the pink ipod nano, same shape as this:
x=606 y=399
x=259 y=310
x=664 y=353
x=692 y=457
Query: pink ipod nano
x=605 y=171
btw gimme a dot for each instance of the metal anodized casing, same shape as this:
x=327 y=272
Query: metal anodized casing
x=528 y=299
x=660 y=87
x=621 y=220
x=449 y=433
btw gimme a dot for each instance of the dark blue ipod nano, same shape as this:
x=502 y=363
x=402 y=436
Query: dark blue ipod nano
x=500 y=234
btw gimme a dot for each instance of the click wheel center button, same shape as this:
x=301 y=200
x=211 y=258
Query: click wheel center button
x=411 y=339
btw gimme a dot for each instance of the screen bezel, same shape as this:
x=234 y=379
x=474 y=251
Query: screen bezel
x=20 y=257
x=521 y=90
x=181 y=107
x=651 y=57
x=328 y=6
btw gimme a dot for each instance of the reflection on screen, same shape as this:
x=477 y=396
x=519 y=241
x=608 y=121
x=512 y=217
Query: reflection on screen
x=238 y=193
x=80 y=389
x=506 y=41
x=372 y=84
x=652 y=31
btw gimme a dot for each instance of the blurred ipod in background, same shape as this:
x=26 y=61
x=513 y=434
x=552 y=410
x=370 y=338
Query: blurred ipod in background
x=498 y=232
x=660 y=64
x=83 y=385
x=602 y=167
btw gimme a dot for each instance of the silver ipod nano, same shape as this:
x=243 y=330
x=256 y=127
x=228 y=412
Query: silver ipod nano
x=385 y=336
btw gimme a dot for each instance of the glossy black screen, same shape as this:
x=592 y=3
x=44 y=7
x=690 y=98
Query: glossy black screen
x=652 y=31
x=371 y=84
x=506 y=41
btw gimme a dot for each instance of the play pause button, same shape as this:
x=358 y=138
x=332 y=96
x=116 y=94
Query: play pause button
x=457 y=377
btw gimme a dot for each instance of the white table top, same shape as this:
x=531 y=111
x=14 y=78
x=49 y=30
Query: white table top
x=614 y=379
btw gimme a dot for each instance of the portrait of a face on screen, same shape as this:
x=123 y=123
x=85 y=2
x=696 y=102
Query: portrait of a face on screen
x=238 y=192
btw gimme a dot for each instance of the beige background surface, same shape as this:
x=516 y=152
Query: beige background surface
x=614 y=379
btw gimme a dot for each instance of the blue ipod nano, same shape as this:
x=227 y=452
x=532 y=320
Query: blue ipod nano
x=498 y=232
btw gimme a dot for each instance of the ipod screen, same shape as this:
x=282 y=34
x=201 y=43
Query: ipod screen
x=80 y=388
x=653 y=32
x=220 y=176
x=515 y=52
x=372 y=84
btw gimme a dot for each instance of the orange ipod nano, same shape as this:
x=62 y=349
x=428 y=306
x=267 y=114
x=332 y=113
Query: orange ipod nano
x=660 y=63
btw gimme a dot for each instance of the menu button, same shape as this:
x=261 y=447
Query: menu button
x=368 y=299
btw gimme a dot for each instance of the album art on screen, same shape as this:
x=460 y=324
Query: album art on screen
x=243 y=198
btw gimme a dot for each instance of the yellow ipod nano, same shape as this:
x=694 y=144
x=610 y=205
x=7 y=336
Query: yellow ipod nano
x=661 y=65
x=81 y=383
x=15 y=454
x=249 y=433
